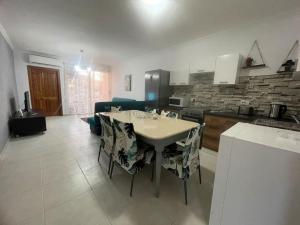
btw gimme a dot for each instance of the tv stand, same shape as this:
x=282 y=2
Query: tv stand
x=29 y=123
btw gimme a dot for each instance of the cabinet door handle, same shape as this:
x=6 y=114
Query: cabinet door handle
x=223 y=82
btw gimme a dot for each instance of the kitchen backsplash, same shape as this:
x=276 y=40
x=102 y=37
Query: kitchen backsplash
x=260 y=91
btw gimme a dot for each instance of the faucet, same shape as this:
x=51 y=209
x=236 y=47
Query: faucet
x=296 y=119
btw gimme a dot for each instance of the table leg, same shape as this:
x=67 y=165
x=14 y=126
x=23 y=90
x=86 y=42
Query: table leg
x=158 y=150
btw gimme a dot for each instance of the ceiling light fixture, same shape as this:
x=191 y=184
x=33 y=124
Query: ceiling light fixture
x=152 y=2
x=152 y=11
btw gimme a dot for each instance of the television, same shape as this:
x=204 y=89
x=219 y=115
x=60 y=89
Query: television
x=27 y=102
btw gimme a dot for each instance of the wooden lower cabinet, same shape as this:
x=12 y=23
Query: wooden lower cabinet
x=215 y=126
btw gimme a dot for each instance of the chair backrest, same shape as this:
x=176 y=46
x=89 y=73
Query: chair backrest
x=151 y=110
x=169 y=114
x=107 y=134
x=172 y=115
x=126 y=151
x=190 y=154
x=164 y=113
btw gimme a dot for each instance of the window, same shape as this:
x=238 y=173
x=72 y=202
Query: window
x=83 y=88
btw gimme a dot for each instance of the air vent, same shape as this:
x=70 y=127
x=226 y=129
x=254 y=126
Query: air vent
x=44 y=61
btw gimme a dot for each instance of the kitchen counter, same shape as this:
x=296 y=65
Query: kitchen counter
x=232 y=114
x=257 y=167
x=279 y=124
x=285 y=123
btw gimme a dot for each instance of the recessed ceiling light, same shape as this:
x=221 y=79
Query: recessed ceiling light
x=152 y=2
x=151 y=12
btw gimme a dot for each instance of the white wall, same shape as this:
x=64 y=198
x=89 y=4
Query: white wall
x=21 y=61
x=275 y=36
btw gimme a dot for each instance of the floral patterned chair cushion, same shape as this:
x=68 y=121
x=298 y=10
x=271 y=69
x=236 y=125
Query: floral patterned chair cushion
x=169 y=114
x=107 y=134
x=130 y=154
x=185 y=161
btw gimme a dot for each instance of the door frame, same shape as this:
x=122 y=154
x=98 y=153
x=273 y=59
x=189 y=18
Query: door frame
x=58 y=83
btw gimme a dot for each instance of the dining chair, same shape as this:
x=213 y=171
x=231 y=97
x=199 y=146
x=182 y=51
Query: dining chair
x=130 y=154
x=169 y=114
x=184 y=160
x=106 y=138
x=151 y=110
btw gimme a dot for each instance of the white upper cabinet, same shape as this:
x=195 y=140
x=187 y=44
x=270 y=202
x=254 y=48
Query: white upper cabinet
x=227 y=69
x=180 y=77
x=202 y=66
x=199 y=70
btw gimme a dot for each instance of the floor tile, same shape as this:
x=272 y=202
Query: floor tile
x=96 y=175
x=35 y=220
x=19 y=183
x=83 y=210
x=58 y=192
x=21 y=207
x=58 y=171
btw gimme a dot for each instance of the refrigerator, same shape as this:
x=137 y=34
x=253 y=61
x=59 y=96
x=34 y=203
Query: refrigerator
x=157 y=89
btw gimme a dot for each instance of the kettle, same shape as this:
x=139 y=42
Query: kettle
x=277 y=110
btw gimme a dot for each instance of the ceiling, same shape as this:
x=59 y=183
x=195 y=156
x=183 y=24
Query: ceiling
x=113 y=30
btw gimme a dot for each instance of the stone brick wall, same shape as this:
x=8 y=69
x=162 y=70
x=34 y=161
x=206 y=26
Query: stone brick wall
x=260 y=91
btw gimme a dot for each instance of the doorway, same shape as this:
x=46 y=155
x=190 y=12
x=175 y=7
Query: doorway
x=45 y=91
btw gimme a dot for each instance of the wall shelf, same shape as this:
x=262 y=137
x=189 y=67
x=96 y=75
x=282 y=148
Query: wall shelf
x=254 y=66
x=258 y=57
x=289 y=57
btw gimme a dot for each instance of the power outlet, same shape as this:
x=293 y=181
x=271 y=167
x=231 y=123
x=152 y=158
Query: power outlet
x=244 y=102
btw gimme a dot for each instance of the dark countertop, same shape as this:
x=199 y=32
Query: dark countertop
x=171 y=108
x=233 y=115
x=285 y=123
x=278 y=124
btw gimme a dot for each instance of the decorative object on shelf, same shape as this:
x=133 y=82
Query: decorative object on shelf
x=252 y=61
x=288 y=66
x=289 y=63
x=128 y=80
x=249 y=61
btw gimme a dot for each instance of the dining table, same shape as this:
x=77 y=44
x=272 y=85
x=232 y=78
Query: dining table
x=156 y=130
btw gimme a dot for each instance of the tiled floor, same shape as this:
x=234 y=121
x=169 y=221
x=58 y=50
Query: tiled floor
x=55 y=178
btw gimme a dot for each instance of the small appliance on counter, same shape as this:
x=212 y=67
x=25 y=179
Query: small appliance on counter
x=245 y=110
x=193 y=114
x=178 y=101
x=277 y=110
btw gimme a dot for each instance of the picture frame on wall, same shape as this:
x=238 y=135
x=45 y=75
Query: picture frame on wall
x=128 y=82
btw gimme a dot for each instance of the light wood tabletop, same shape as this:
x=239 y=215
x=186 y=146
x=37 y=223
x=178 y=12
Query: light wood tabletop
x=160 y=127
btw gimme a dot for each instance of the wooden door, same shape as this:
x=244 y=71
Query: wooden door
x=45 y=93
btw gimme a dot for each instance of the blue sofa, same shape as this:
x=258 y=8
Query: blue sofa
x=126 y=104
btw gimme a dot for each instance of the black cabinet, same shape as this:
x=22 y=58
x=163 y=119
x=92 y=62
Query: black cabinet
x=29 y=123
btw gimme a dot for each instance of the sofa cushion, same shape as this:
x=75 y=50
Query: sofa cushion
x=118 y=99
x=130 y=105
